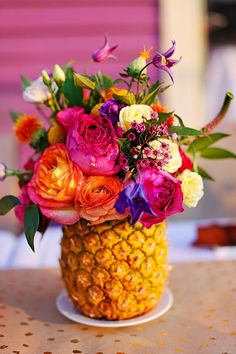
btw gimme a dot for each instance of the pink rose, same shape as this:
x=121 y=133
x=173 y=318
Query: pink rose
x=24 y=199
x=92 y=144
x=163 y=193
x=68 y=116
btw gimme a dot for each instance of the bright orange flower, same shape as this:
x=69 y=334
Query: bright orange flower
x=157 y=107
x=95 y=201
x=25 y=128
x=54 y=185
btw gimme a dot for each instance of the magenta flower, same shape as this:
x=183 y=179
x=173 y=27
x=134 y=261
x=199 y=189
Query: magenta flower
x=163 y=62
x=93 y=146
x=163 y=193
x=67 y=117
x=104 y=52
x=25 y=202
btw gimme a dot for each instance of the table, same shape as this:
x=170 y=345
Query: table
x=202 y=319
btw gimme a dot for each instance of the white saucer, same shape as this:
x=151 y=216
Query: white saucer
x=66 y=308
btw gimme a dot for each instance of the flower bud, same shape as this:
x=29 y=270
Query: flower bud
x=46 y=78
x=59 y=75
x=2 y=171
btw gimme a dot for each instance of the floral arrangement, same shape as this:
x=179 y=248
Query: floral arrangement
x=107 y=149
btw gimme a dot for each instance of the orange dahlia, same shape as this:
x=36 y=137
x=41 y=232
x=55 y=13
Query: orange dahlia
x=157 y=107
x=25 y=128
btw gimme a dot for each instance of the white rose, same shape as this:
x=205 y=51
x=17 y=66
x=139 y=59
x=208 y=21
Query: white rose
x=38 y=92
x=134 y=112
x=176 y=161
x=192 y=187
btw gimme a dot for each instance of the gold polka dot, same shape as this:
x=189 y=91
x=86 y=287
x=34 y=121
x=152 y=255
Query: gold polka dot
x=203 y=346
x=75 y=340
x=136 y=345
x=161 y=344
x=3 y=346
x=163 y=333
x=99 y=335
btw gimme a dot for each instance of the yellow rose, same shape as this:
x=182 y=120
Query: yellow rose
x=192 y=187
x=176 y=161
x=134 y=112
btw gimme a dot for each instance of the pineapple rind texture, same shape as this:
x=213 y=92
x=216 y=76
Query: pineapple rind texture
x=114 y=270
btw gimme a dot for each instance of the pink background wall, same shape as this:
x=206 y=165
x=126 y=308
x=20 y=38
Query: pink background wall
x=36 y=34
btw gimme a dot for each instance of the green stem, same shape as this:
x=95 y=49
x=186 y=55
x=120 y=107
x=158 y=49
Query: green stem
x=139 y=76
x=210 y=126
x=55 y=102
x=10 y=172
x=130 y=84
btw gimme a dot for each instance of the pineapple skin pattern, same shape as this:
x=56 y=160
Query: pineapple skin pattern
x=114 y=270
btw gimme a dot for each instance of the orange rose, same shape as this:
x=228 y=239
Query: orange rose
x=54 y=185
x=96 y=198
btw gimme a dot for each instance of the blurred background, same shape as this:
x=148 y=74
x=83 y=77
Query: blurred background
x=34 y=35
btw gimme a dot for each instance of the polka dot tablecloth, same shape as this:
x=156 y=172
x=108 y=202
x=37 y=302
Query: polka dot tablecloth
x=202 y=319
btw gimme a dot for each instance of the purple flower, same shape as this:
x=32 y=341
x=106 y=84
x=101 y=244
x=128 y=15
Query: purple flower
x=111 y=110
x=163 y=62
x=104 y=52
x=133 y=197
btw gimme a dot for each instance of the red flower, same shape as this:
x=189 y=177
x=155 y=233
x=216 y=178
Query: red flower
x=186 y=162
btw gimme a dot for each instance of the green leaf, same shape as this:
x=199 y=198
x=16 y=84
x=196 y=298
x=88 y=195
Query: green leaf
x=103 y=82
x=128 y=99
x=84 y=81
x=217 y=153
x=72 y=93
x=205 y=141
x=31 y=223
x=184 y=131
x=164 y=88
x=148 y=99
x=15 y=115
x=7 y=203
x=181 y=122
x=163 y=116
x=204 y=174
x=25 y=82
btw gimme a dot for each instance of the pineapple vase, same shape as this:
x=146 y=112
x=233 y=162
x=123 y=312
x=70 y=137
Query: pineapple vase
x=114 y=270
